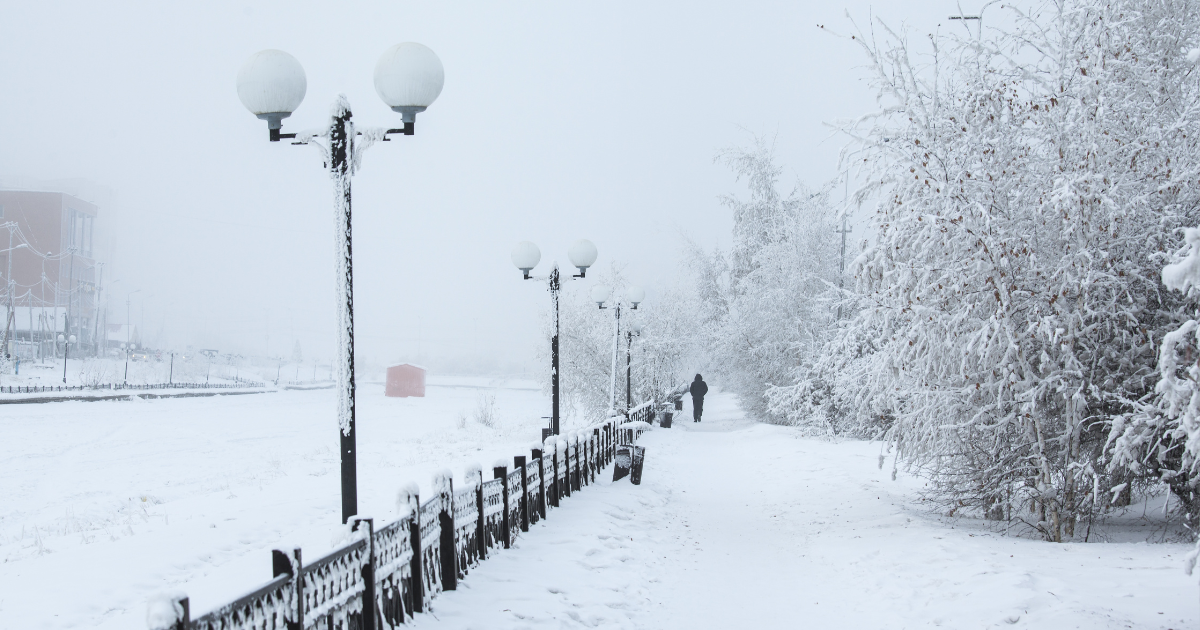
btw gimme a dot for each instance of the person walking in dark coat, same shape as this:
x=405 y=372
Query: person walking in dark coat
x=698 y=389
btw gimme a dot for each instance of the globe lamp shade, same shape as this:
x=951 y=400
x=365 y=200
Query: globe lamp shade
x=600 y=294
x=72 y=338
x=525 y=256
x=60 y=339
x=636 y=295
x=409 y=78
x=271 y=84
x=638 y=327
x=582 y=254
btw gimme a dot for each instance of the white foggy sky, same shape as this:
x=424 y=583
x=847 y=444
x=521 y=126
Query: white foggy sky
x=558 y=121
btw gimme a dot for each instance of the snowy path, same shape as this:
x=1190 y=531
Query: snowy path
x=742 y=525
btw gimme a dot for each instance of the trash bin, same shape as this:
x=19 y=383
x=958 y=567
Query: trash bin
x=678 y=404
x=665 y=421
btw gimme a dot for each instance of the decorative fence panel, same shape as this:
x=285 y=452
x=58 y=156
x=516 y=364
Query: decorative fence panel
x=403 y=566
x=564 y=469
x=514 y=505
x=267 y=608
x=393 y=573
x=334 y=587
x=533 y=492
x=493 y=512
x=466 y=526
x=431 y=550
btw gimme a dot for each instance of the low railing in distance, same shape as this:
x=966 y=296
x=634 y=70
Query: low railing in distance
x=117 y=387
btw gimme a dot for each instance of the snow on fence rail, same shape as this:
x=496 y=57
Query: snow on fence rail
x=44 y=389
x=397 y=570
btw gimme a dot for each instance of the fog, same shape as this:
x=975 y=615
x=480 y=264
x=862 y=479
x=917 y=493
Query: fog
x=558 y=121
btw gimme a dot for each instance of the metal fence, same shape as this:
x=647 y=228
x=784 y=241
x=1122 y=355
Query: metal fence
x=386 y=576
x=46 y=389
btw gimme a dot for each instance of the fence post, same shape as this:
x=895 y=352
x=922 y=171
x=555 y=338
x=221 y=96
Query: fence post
x=570 y=485
x=480 y=530
x=538 y=454
x=519 y=462
x=449 y=546
x=418 y=577
x=501 y=473
x=577 y=476
x=367 y=615
x=599 y=454
x=588 y=456
x=554 y=475
x=183 y=616
x=280 y=565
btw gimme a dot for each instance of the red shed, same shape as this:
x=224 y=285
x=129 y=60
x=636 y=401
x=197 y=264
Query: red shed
x=405 y=380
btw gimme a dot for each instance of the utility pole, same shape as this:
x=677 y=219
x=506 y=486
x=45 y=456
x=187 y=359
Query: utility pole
x=96 y=311
x=965 y=18
x=70 y=298
x=612 y=382
x=10 y=320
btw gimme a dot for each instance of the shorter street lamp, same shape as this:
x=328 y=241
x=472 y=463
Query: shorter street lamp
x=603 y=295
x=635 y=330
x=128 y=348
x=525 y=256
x=66 y=342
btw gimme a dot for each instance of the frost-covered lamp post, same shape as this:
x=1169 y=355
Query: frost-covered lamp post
x=635 y=330
x=66 y=342
x=525 y=256
x=602 y=295
x=128 y=348
x=408 y=77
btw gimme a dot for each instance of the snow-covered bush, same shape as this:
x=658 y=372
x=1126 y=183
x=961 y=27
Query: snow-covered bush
x=1008 y=313
x=763 y=306
x=1160 y=441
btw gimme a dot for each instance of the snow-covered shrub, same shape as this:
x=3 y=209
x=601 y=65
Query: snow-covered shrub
x=1007 y=315
x=96 y=372
x=485 y=410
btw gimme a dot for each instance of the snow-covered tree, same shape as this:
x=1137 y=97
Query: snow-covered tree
x=761 y=302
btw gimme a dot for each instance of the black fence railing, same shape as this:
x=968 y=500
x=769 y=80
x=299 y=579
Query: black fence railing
x=386 y=576
x=47 y=389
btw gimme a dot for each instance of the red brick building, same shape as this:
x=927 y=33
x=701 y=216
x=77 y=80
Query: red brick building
x=46 y=280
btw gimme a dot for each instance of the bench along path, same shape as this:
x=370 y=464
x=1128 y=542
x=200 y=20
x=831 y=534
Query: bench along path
x=741 y=525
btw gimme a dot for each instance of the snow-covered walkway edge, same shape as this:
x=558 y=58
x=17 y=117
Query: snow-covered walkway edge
x=742 y=525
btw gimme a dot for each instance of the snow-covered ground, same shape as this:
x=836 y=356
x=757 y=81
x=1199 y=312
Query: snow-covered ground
x=735 y=525
x=106 y=503
x=738 y=525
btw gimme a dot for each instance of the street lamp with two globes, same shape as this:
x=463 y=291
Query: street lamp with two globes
x=272 y=84
x=525 y=256
x=605 y=298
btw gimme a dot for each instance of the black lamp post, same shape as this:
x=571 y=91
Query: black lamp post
x=408 y=77
x=66 y=342
x=525 y=256
x=635 y=330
